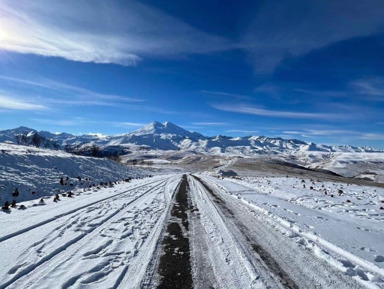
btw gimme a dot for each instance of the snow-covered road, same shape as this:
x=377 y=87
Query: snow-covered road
x=106 y=243
x=127 y=236
x=246 y=249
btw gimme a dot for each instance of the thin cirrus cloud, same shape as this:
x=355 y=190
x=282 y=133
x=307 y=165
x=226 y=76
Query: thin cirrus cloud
x=225 y=94
x=10 y=103
x=372 y=136
x=275 y=113
x=373 y=88
x=322 y=133
x=75 y=121
x=242 y=131
x=59 y=122
x=128 y=124
x=98 y=31
x=69 y=94
x=61 y=87
x=210 y=123
x=335 y=134
x=307 y=25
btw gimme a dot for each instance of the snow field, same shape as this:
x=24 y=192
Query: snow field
x=100 y=244
x=346 y=239
x=362 y=202
x=37 y=172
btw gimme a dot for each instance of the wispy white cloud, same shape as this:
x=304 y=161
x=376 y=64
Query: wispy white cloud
x=210 y=123
x=75 y=121
x=374 y=88
x=65 y=89
x=336 y=136
x=128 y=124
x=225 y=94
x=271 y=37
x=59 y=93
x=276 y=113
x=98 y=31
x=242 y=131
x=321 y=133
x=329 y=132
x=292 y=132
x=372 y=136
x=72 y=121
x=10 y=103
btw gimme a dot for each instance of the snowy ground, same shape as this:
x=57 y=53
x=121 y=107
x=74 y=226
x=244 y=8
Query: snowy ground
x=170 y=231
x=105 y=239
x=37 y=172
x=363 y=165
x=349 y=216
x=249 y=233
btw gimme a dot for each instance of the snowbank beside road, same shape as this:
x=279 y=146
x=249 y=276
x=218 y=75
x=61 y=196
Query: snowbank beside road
x=37 y=172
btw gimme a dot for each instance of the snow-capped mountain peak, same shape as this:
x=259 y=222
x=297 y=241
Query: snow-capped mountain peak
x=169 y=136
x=157 y=128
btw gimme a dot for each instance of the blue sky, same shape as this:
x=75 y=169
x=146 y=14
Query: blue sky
x=311 y=70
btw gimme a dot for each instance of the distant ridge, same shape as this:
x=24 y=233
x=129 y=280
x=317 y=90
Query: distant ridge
x=169 y=136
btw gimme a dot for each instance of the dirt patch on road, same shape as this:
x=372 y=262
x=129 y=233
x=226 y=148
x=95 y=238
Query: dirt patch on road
x=175 y=265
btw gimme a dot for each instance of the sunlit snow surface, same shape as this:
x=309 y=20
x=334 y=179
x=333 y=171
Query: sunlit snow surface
x=107 y=236
x=352 y=221
x=37 y=172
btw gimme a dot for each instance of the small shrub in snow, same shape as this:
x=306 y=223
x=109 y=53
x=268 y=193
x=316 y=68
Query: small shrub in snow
x=13 y=205
x=6 y=206
x=56 y=198
x=15 y=193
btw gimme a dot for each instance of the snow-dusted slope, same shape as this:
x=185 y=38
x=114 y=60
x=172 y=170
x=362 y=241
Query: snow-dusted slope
x=364 y=165
x=37 y=172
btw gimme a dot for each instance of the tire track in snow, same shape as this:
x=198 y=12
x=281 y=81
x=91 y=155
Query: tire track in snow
x=231 y=262
x=21 y=272
x=22 y=231
x=264 y=257
x=301 y=265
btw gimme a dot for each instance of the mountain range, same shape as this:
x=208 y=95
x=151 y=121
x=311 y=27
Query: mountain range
x=168 y=136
